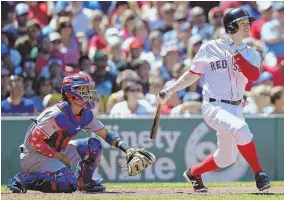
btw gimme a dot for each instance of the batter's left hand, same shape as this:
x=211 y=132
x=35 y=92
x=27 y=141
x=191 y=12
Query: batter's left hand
x=227 y=40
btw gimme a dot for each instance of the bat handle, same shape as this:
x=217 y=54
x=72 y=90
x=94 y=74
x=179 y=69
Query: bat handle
x=162 y=94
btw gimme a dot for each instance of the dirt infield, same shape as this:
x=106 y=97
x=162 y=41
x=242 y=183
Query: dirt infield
x=153 y=193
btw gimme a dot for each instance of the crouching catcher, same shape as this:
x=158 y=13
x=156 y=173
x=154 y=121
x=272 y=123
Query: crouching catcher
x=48 y=150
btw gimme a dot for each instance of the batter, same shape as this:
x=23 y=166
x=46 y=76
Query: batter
x=226 y=64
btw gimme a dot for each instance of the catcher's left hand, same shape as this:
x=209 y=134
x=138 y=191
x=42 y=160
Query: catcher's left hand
x=138 y=160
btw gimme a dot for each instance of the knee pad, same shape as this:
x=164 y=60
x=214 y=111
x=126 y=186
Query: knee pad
x=90 y=149
x=243 y=134
x=222 y=159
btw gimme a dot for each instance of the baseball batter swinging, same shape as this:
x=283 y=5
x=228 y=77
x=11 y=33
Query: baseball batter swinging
x=226 y=64
x=48 y=150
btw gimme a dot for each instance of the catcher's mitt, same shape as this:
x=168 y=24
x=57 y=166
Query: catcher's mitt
x=138 y=160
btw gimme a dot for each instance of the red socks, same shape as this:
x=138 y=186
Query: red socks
x=248 y=151
x=205 y=166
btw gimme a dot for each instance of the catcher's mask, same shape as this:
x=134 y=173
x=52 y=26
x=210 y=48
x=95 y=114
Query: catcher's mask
x=81 y=89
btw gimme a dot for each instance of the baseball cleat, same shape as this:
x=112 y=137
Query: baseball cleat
x=262 y=181
x=15 y=185
x=94 y=186
x=196 y=182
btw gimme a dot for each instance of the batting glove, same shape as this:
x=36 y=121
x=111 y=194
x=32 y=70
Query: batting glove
x=227 y=40
x=164 y=96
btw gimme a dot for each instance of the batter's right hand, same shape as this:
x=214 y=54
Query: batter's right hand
x=63 y=159
x=164 y=96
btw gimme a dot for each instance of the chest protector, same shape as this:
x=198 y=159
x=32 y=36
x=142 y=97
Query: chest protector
x=69 y=124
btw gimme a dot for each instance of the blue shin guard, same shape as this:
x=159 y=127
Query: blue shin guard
x=90 y=150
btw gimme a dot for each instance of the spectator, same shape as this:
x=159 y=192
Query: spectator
x=116 y=57
x=8 y=23
x=136 y=49
x=226 y=5
x=265 y=78
x=15 y=55
x=39 y=12
x=118 y=8
x=56 y=40
x=194 y=45
x=29 y=77
x=85 y=65
x=122 y=80
x=42 y=53
x=215 y=17
x=258 y=100
x=170 y=56
x=96 y=19
x=16 y=104
x=70 y=45
x=278 y=74
x=22 y=11
x=168 y=11
x=53 y=72
x=132 y=105
x=100 y=41
x=5 y=74
x=156 y=84
x=83 y=43
x=191 y=105
x=179 y=18
x=127 y=20
x=80 y=19
x=154 y=14
x=252 y=8
x=154 y=56
x=142 y=68
x=272 y=31
x=10 y=58
x=277 y=99
x=61 y=10
x=200 y=26
x=105 y=81
x=265 y=9
x=42 y=88
x=26 y=43
x=184 y=34
x=141 y=32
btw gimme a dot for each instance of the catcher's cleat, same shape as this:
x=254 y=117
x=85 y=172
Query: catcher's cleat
x=95 y=186
x=262 y=181
x=196 y=182
x=15 y=185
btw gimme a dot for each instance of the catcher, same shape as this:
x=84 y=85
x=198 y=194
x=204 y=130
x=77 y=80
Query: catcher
x=48 y=151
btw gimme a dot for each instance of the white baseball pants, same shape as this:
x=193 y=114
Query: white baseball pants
x=232 y=130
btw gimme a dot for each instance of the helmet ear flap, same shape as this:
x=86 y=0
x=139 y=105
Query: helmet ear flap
x=232 y=28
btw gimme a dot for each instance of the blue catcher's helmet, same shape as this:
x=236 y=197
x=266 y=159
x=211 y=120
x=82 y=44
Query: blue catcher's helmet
x=80 y=88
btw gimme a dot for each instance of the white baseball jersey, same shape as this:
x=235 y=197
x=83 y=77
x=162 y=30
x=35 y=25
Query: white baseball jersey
x=223 y=78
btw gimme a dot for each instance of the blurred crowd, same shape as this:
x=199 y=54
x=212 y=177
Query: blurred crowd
x=132 y=50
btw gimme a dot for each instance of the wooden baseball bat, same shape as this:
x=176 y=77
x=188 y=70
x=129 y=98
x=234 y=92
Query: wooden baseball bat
x=156 y=122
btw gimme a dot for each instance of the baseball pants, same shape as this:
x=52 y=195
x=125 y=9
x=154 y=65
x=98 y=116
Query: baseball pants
x=232 y=130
